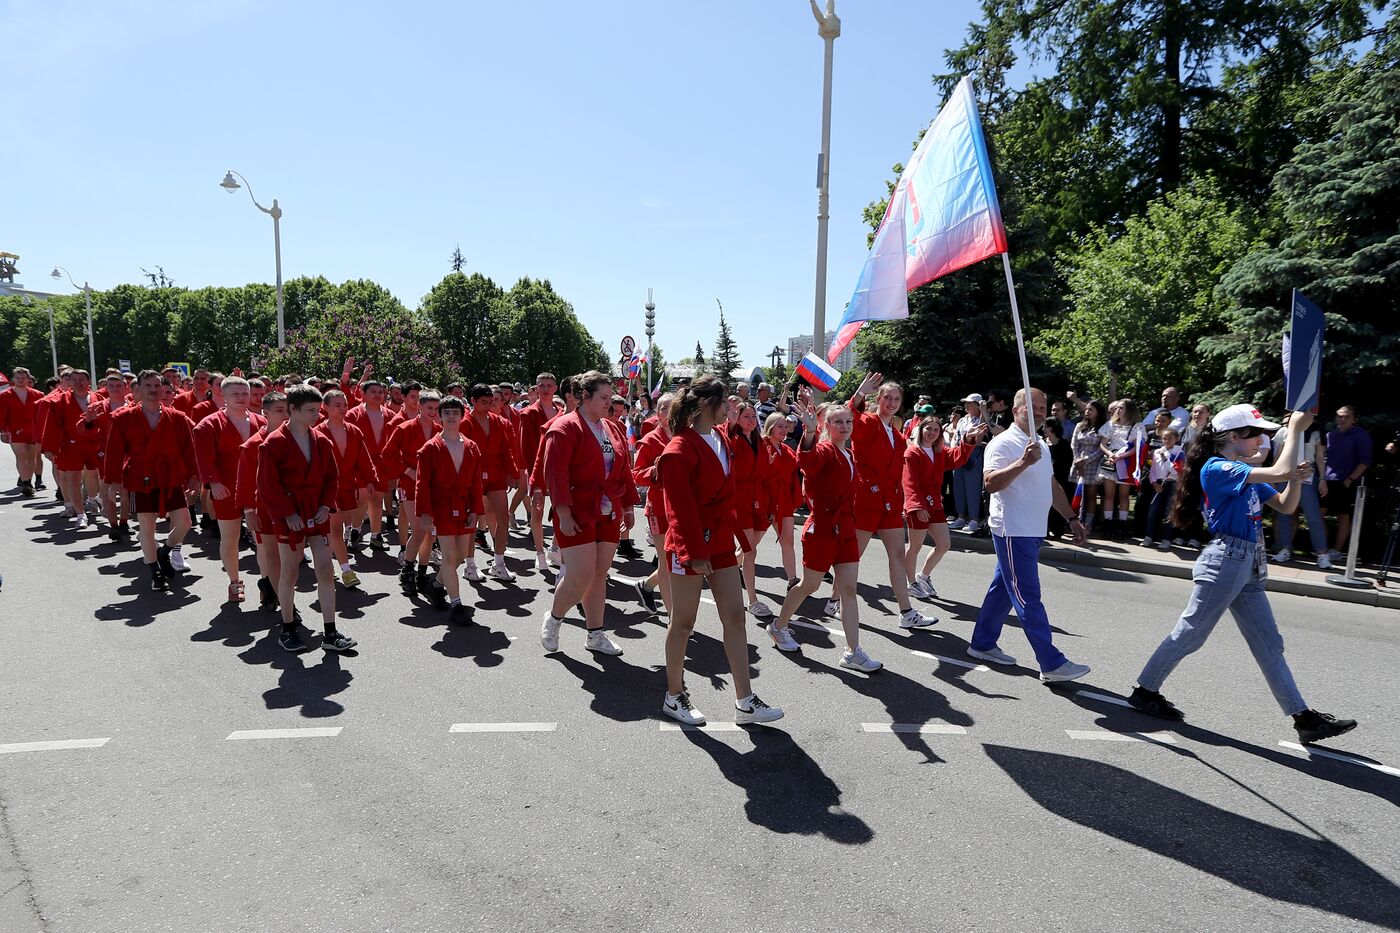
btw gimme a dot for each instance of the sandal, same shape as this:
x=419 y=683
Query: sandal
x=235 y=592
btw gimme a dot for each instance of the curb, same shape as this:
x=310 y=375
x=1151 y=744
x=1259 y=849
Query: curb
x=1110 y=556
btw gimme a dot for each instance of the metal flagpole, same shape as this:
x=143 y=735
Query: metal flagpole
x=1020 y=342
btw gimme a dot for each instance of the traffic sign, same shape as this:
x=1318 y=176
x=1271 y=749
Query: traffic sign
x=628 y=346
x=125 y=365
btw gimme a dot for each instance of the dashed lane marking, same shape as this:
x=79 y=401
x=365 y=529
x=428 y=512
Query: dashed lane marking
x=1102 y=735
x=954 y=661
x=53 y=746
x=1311 y=750
x=320 y=732
x=707 y=727
x=1103 y=697
x=504 y=727
x=920 y=728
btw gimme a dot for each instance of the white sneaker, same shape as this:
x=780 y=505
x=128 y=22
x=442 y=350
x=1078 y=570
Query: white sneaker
x=93 y=505
x=679 y=709
x=82 y=521
x=1324 y=562
x=549 y=633
x=470 y=571
x=540 y=563
x=973 y=527
x=1283 y=556
x=599 y=641
x=992 y=654
x=833 y=609
x=926 y=584
x=1065 y=672
x=752 y=709
x=858 y=660
x=500 y=571
x=177 y=560
x=555 y=559
x=761 y=610
x=913 y=618
x=782 y=637
x=957 y=524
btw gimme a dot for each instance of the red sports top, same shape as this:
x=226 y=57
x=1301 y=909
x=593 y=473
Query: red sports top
x=216 y=444
x=699 y=498
x=830 y=488
x=923 y=475
x=574 y=468
x=141 y=458
x=879 y=461
x=442 y=488
x=354 y=465
x=496 y=448
x=289 y=484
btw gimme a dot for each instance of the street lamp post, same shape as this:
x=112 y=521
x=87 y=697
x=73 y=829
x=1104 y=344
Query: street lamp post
x=828 y=27
x=58 y=273
x=53 y=340
x=651 y=332
x=230 y=185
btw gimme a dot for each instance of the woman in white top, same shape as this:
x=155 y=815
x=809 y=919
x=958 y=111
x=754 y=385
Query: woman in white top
x=1121 y=441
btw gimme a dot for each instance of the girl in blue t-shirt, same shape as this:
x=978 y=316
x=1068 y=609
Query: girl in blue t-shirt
x=1223 y=470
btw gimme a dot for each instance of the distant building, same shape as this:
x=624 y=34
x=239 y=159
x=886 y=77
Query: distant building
x=799 y=347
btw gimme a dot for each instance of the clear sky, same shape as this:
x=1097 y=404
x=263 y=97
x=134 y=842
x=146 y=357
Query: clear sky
x=607 y=146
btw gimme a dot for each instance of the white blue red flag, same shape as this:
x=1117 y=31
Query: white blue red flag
x=943 y=215
x=819 y=374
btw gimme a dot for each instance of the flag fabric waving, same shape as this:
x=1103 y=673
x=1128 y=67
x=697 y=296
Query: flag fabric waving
x=943 y=215
x=1302 y=371
x=819 y=374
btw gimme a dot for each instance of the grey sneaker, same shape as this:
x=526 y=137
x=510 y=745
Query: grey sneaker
x=858 y=660
x=1065 y=672
x=782 y=637
x=993 y=654
x=549 y=633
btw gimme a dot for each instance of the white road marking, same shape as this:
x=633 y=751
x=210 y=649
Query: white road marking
x=707 y=727
x=53 y=746
x=922 y=728
x=1102 y=735
x=1089 y=694
x=504 y=727
x=938 y=657
x=311 y=733
x=1314 y=750
x=819 y=628
x=706 y=599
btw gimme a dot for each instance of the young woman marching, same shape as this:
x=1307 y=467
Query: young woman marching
x=925 y=462
x=589 y=481
x=493 y=436
x=784 y=488
x=274 y=410
x=449 y=496
x=357 y=479
x=217 y=440
x=696 y=476
x=749 y=468
x=829 y=536
x=1222 y=467
x=879 y=455
x=17 y=408
x=644 y=475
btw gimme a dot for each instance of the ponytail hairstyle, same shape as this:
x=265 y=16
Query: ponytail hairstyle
x=1207 y=444
x=702 y=392
x=585 y=384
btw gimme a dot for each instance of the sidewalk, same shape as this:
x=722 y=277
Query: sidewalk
x=1296 y=577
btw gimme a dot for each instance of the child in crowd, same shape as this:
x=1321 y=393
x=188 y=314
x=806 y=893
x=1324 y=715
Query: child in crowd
x=1167 y=462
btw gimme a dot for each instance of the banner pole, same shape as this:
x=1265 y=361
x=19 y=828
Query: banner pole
x=1020 y=342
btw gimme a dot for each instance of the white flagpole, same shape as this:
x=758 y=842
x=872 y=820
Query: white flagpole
x=1020 y=342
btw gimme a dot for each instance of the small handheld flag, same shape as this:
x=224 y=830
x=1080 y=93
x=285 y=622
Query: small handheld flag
x=1077 y=503
x=818 y=373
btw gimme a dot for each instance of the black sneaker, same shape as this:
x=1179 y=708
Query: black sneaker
x=480 y=538
x=338 y=641
x=627 y=548
x=436 y=593
x=828 y=578
x=356 y=539
x=647 y=595
x=245 y=539
x=407 y=581
x=1313 y=726
x=291 y=640
x=459 y=615
x=26 y=489
x=1154 y=704
x=792 y=585
x=125 y=529
x=159 y=581
x=39 y=483
x=163 y=559
x=114 y=534
x=268 y=595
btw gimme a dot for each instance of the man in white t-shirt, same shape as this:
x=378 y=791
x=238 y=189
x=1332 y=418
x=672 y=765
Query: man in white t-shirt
x=1017 y=473
x=1171 y=403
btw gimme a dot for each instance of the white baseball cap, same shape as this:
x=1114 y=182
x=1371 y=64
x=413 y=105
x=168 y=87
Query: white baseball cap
x=974 y=397
x=1241 y=416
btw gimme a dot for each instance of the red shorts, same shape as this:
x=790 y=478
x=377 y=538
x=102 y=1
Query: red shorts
x=452 y=523
x=296 y=538
x=494 y=484
x=265 y=536
x=606 y=530
x=226 y=509
x=877 y=511
x=407 y=489
x=159 y=501
x=822 y=552
x=71 y=459
x=22 y=436
x=935 y=517
x=755 y=521
x=719 y=561
x=347 y=500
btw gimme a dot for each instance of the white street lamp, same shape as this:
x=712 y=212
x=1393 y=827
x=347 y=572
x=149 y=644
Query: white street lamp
x=58 y=273
x=230 y=185
x=53 y=340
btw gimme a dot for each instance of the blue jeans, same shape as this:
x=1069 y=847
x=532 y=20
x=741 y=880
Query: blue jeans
x=1312 y=511
x=1017 y=583
x=1159 y=526
x=1229 y=574
x=967 y=487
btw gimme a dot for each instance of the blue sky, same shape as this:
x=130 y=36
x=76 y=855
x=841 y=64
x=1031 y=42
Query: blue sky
x=607 y=146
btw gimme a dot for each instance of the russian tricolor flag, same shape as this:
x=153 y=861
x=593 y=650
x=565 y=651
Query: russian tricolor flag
x=943 y=215
x=818 y=373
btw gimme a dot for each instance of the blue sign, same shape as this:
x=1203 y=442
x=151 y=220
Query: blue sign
x=1302 y=371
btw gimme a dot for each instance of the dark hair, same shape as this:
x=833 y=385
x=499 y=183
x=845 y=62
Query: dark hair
x=999 y=395
x=145 y=374
x=272 y=398
x=1054 y=427
x=1100 y=413
x=370 y=384
x=451 y=403
x=411 y=386
x=703 y=391
x=302 y=394
x=1188 y=491
x=549 y=376
x=427 y=395
x=333 y=393
x=482 y=390
x=585 y=384
x=455 y=385
x=52 y=381
x=565 y=388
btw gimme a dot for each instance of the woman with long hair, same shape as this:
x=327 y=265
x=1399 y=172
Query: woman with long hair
x=1222 y=467
x=749 y=467
x=696 y=473
x=1087 y=450
x=926 y=459
x=589 y=481
x=829 y=536
x=1120 y=440
x=784 y=488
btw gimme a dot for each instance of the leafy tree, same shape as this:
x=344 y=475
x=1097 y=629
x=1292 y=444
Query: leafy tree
x=471 y=314
x=545 y=335
x=1148 y=296
x=401 y=346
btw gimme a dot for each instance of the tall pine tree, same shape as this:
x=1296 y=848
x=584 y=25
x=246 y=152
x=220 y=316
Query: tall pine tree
x=726 y=358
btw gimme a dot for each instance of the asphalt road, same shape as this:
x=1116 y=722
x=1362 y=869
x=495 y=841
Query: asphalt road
x=1018 y=807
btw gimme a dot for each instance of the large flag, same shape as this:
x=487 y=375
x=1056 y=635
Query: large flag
x=1302 y=371
x=943 y=215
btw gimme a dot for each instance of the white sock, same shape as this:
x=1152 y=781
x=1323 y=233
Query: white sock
x=745 y=704
x=455 y=601
x=345 y=567
x=1122 y=516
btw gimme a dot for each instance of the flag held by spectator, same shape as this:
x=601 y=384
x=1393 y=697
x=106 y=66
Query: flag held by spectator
x=819 y=374
x=943 y=215
x=1077 y=503
x=1302 y=372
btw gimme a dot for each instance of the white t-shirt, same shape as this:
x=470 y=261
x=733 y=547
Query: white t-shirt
x=1022 y=509
x=718 y=447
x=1180 y=418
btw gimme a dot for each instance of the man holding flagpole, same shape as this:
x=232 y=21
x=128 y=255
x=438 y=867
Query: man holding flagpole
x=1018 y=475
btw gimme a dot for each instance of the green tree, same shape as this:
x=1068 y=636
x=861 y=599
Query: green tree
x=471 y=314
x=726 y=358
x=1148 y=296
x=545 y=335
x=402 y=346
x=698 y=360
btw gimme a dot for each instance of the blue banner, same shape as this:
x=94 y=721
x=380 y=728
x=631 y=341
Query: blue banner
x=1302 y=371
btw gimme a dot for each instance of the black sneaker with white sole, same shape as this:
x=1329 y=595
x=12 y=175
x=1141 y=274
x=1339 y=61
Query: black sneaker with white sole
x=337 y=641
x=291 y=640
x=459 y=615
x=163 y=560
x=1154 y=704
x=647 y=595
x=159 y=581
x=1313 y=726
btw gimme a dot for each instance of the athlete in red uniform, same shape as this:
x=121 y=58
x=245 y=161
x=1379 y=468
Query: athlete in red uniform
x=500 y=470
x=217 y=440
x=296 y=486
x=401 y=458
x=784 y=488
x=925 y=462
x=17 y=426
x=829 y=536
x=72 y=443
x=186 y=400
x=98 y=420
x=376 y=423
x=589 y=480
x=449 y=499
x=358 y=478
x=274 y=410
x=644 y=475
x=54 y=391
x=533 y=422
x=150 y=455
x=696 y=474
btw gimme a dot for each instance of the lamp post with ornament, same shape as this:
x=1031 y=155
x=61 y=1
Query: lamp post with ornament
x=651 y=332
